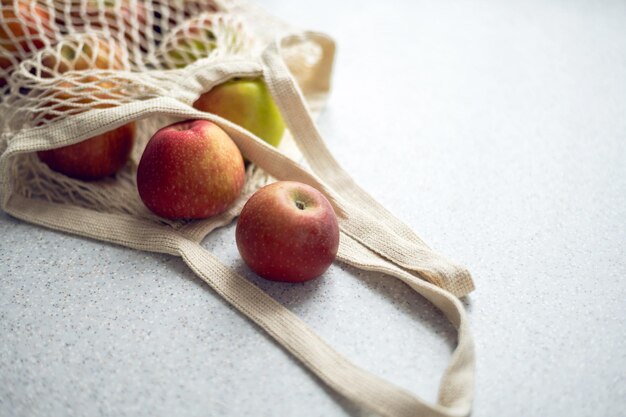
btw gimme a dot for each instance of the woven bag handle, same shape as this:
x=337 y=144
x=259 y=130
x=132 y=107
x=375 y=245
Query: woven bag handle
x=372 y=224
x=356 y=384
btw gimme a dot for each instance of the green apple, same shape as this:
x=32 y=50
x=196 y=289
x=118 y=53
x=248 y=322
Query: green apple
x=190 y=43
x=248 y=103
x=186 y=51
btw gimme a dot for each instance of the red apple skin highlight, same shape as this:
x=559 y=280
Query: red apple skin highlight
x=190 y=170
x=94 y=158
x=288 y=231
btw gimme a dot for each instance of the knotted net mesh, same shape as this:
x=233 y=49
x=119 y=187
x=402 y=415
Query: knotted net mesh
x=61 y=59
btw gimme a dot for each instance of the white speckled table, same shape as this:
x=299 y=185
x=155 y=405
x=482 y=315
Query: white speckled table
x=497 y=131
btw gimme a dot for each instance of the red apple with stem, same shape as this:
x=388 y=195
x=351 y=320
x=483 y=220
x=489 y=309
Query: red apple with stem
x=190 y=170
x=288 y=231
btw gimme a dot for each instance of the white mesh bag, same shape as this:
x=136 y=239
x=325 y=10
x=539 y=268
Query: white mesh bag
x=71 y=70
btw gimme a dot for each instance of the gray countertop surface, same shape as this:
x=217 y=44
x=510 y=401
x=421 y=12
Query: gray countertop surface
x=497 y=130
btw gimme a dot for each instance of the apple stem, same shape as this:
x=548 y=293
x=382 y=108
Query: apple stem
x=300 y=205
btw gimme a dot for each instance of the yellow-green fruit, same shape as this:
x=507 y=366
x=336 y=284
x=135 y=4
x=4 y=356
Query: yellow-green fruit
x=190 y=50
x=248 y=103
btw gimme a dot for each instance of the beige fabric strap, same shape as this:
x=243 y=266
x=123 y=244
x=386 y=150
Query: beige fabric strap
x=456 y=389
x=375 y=227
x=353 y=221
x=354 y=383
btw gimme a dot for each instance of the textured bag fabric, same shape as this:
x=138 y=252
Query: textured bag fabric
x=152 y=82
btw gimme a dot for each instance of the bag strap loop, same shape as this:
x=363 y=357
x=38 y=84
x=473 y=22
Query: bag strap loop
x=356 y=384
x=372 y=224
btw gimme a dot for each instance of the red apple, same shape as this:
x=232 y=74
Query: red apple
x=190 y=170
x=98 y=156
x=95 y=158
x=288 y=231
x=20 y=34
x=101 y=155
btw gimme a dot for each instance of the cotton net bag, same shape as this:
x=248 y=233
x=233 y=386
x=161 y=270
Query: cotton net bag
x=74 y=69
